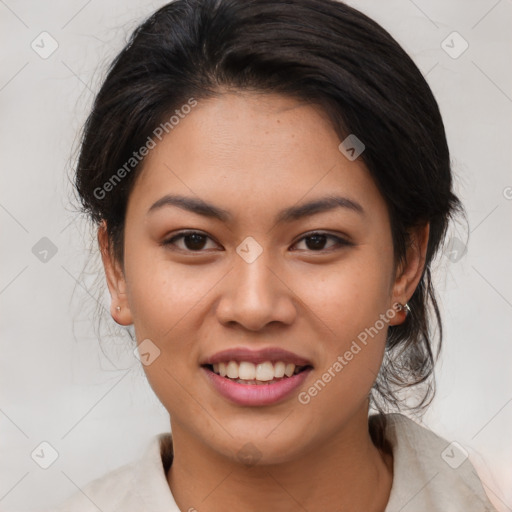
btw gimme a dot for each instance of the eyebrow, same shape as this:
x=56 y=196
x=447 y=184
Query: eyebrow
x=290 y=214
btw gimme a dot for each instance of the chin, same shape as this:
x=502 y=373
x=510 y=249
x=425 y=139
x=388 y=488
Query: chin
x=264 y=445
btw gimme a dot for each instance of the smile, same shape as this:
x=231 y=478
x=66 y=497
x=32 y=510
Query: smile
x=251 y=377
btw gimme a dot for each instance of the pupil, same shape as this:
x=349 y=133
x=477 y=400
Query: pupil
x=318 y=241
x=194 y=241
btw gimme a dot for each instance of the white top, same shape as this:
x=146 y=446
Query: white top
x=430 y=475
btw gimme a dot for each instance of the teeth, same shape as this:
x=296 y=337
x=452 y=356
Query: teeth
x=232 y=370
x=279 y=368
x=289 y=369
x=246 y=371
x=264 y=371
x=250 y=373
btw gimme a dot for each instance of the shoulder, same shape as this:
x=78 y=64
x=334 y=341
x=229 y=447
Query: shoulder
x=104 y=493
x=430 y=473
x=125 y=488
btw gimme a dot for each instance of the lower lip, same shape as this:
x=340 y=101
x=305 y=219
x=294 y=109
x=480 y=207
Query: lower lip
x=256 y=394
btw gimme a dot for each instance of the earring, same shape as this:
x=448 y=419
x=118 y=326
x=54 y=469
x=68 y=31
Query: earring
x=118 y=308
x=405 y=307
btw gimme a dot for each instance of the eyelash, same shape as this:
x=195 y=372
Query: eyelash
x=340 y=242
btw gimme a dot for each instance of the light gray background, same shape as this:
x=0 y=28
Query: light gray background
x=95 y=407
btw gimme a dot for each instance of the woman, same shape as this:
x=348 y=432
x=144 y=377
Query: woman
x=271 y=182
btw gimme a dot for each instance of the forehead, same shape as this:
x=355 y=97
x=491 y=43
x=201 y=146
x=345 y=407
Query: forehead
x=254 y=151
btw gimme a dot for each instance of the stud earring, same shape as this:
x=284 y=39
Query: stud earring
x=405 y=307
x=118 y=308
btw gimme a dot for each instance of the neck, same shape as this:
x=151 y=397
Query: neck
x=346 y=472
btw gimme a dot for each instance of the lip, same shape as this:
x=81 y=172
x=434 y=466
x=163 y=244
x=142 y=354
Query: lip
x=256 y=395
x=271 y=354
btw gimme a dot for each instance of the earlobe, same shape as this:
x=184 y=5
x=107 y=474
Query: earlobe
x=411 y=270
x=119 y=308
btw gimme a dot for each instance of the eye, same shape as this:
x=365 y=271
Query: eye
x=193 y=241
x=316 y=241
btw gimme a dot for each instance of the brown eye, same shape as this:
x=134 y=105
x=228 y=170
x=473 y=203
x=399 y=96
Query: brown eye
x=316 y=241
x=193 y=241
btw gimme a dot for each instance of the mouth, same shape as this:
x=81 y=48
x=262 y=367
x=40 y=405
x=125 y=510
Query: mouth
x=251 y=378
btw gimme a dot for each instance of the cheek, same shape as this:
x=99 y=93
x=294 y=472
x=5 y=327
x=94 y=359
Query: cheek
x=162 y=300
x=167 y=305
x=161 y=293
x=351 y=303
x=350 y=296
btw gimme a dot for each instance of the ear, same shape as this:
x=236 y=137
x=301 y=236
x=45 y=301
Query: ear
x=115 y=279
x=409 y=273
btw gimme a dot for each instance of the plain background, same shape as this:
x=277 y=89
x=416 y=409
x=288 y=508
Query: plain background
x=92 y=404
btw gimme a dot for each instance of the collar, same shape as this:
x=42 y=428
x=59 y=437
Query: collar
x=429 y=473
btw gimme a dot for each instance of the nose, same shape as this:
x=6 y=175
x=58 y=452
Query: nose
x=256 y=294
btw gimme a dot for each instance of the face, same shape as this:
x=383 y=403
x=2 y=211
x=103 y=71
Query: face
x=318 y=282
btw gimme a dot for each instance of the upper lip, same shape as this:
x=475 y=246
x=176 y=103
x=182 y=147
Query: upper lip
x=271 y=354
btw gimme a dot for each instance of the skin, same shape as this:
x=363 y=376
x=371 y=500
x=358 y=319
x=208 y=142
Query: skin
x=253 y=155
